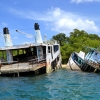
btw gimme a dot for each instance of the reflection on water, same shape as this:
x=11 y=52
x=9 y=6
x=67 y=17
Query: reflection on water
x=59 y=85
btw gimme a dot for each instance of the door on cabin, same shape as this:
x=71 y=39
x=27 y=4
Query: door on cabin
x=40 y=53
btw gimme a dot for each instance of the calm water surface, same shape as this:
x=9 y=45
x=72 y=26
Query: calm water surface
x=59 y=85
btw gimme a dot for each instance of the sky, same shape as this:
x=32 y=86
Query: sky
x=53 y=17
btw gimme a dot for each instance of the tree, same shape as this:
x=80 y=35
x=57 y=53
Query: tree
x=94 y=37
x=61 y=37
x=77 y=41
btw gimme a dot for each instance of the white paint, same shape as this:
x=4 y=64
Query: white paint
x=81 y=54
x=9 y=56
x=38 y=36
x=72 y=65
x=8 y=41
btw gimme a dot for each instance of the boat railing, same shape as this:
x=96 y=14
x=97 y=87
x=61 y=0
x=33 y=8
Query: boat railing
x=37 y=60
x=6 y=63
x=51 y=42
x=31 y=60
x=93 y=63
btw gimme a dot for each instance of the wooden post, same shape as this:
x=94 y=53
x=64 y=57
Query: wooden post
x=18 y=67
x=18 y=74
x=17 y=52
x=95 y=70
x=0 y=66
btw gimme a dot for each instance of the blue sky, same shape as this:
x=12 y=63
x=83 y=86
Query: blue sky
x=53 y=17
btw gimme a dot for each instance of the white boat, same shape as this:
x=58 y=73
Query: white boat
x=39 y=57
x=72 y=62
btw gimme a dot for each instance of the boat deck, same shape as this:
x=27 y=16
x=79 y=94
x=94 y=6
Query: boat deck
x=20 y=67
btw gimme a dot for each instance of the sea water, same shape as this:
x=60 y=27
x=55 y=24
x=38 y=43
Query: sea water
x=59 y=85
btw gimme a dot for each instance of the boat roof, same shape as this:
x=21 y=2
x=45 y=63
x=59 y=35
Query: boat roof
x=20 y=46
x=26 y=46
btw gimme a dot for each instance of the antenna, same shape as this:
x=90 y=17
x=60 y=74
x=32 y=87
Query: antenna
x=45 y=37
x=27 y=35
x=1 y=34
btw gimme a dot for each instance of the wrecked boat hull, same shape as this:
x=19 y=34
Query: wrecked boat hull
x=77 y=63
x=72 y=65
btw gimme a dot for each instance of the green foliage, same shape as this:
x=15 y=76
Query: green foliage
x=77 y=41
x=14 y=52
x=94 y=37
x=61 y=37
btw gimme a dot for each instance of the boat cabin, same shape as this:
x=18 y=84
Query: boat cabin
x=22 y=53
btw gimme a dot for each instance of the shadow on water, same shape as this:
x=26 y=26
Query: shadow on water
x=26 y=74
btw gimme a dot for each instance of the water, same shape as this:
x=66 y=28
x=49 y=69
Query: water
x=59 y=85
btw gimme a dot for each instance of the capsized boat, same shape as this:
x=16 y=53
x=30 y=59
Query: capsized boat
x=38 y=57
x=88 y=63
x=73 y=62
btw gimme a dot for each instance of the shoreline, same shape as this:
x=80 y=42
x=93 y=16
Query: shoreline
x=64 y=65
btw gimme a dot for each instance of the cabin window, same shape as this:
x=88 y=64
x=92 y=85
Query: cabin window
x=44 y=49
x=49 y=49
x=3 y=56
x=15 y=52
x=44 y=52
x=55 y=47
x=20 y=51
x=31 y=49
x=96 y=53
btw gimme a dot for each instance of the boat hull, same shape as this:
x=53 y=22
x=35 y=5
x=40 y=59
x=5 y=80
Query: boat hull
x=72 y=65
x=77 y=63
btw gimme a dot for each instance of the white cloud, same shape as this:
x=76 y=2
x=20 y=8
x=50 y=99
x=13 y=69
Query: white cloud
x=32 y=15
x=59 y=20
x=15 y=37
x=81 y=1
x=4 y=24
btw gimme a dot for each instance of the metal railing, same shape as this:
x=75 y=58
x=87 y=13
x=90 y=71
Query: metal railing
x=37 y=60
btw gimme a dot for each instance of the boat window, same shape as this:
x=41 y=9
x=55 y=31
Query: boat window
x=0 y=54
x=3 y=56
x=15 y=52
x=55 y=47
x=96 y=53
x=98 y=57
x=44 y=49
x=48 y=49
x=20 y=51
x=31 y=49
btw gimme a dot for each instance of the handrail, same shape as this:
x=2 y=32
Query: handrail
x=36 y=61
x=8 y=62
